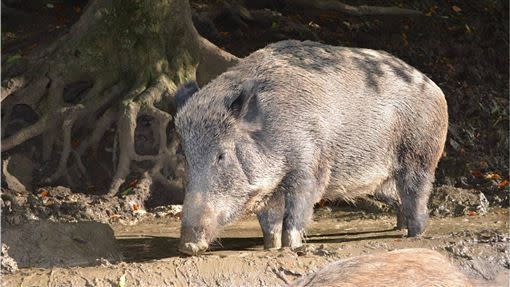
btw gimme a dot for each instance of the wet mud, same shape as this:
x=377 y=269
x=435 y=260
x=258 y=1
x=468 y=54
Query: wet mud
x=476 y=244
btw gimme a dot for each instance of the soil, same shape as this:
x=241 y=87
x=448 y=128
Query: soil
x=48 y=244
x=475 y=244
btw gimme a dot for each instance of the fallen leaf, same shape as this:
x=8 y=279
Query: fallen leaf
x=135 y=206
x=122 y=281
x=502 y=184
x=456 y=8
x=476 y=173
x=492 y=176
x=133 y=183
x=471 y=213
x=313 y=25
x=127 y=191
x=431 y=11
x=44 y=193
x=404 y=38
x=13 y=58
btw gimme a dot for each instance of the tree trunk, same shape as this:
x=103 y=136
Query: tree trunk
x=101 y=97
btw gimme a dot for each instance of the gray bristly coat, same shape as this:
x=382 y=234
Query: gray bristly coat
x=299 y=121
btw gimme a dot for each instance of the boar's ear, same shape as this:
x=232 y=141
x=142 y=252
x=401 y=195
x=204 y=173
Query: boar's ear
x=246 y=101
x=184 y=93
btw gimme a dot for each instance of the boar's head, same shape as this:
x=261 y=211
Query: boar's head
x=230 y=169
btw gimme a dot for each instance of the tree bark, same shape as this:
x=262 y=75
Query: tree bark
x=121 y=61
x=363 y=10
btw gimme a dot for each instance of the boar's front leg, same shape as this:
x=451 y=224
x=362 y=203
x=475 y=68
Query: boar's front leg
x=271 y=220
x=302 y=191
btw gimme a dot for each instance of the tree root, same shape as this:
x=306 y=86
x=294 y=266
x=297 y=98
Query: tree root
x=142 y=104
x=212 y=62
x=333 y=5
x=125 y=83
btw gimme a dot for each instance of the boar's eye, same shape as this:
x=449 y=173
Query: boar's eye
x=221 y=157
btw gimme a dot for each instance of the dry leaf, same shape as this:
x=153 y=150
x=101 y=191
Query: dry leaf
x=493 y=176
x=476 y=173
x=456 y=8
x=404 y=38
x=133 y=183
x=502 y=184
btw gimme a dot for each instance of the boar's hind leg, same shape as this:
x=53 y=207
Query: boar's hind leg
x=301 y=194
x=414 y=188
x=271 y=220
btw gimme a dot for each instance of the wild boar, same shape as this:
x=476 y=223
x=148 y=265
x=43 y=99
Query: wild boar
x=297 y=121
x=405 y=268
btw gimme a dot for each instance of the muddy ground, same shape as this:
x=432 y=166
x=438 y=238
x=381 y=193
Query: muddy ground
x=476 y=244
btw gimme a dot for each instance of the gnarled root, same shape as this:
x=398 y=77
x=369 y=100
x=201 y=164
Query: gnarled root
x=88 y=97
x=363 y=10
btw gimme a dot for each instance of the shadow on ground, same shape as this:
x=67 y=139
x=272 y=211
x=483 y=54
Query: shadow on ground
x=146 y=248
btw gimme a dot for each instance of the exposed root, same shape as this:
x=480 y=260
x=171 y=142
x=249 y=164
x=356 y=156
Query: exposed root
x=62 y=165
x=79 y=90
x=25 y=134
x=213 y=61
x=10 y=86
x=102 y=125
x=333 y=5
x=126 y=136
x=49 y=138
x=142 y=104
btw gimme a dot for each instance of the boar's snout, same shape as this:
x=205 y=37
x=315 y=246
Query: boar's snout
x=193 y=241
x=191 y=248
x=199 y=223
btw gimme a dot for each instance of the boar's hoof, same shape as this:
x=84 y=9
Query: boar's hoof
x=193 y=248
x=414 y=233
x=416 y=226
x=272 y=241
x=292 y=238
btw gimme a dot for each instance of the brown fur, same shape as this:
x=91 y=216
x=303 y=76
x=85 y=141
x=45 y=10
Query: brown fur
x=405 y=267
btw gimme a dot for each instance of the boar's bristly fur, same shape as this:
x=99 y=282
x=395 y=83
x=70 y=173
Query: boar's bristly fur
x=399 y=268
x=299 y=121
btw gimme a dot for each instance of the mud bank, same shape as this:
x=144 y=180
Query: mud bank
x=477 y=245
